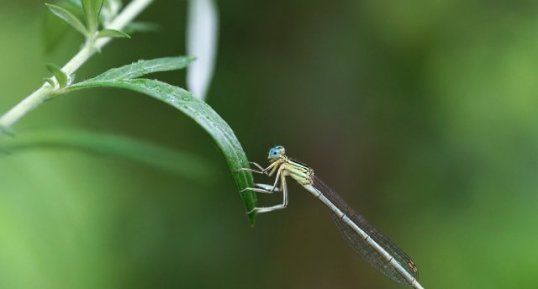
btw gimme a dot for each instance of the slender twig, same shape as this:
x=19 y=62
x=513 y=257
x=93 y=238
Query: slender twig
x=88 y=50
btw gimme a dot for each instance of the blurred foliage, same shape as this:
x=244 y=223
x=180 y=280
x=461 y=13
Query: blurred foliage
x=421 y=114
x=108 y=145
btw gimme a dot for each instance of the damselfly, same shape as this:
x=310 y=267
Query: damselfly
x=379 y=251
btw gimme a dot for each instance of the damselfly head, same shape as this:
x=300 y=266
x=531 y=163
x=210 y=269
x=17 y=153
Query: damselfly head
x=276 y=152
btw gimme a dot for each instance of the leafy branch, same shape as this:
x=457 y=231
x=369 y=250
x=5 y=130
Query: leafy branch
x=95 y=41
x=128 y=77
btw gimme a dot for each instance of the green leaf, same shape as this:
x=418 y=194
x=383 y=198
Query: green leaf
x=61 y=77
x=193 y=107
x=112 y=33
x=68 y=17
x=178 y=162
x=143 y=67
x=55 y=30
x=75 y=2
x=92 y=8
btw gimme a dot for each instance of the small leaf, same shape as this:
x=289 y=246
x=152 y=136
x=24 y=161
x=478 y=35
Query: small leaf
x=61 y=77
x=143 y=67
x=181 y=163
x=202 y=114
x=68 y=17
x=92 y=8
x=139 y=26
x=112 y=33
x=55 y=30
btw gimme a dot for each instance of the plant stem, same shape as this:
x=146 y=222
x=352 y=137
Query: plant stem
x=32 y=101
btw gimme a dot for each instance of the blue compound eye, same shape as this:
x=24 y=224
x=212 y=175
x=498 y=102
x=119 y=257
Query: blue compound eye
x=276 y=152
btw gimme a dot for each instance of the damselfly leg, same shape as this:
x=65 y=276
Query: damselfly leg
x=269 y=189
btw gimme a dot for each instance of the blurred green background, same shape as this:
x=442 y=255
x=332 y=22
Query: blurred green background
x=421 y=114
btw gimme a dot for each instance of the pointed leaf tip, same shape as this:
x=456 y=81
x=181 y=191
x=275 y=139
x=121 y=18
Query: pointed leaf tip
x=68 y=17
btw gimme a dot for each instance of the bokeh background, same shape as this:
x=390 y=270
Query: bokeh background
x=421 y=114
